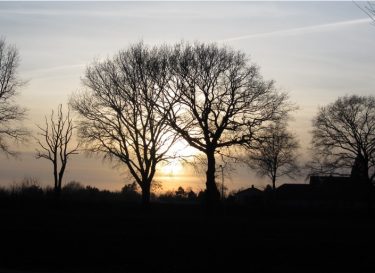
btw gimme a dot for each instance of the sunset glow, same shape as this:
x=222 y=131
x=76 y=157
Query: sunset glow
x=315 y=51
x=187 y=136
x=173 y=168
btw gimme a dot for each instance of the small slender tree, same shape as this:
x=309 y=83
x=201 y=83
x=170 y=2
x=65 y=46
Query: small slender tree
x=55 y=144
x=10 y=113
x=275 y=154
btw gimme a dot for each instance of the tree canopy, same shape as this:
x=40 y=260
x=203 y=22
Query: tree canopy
x=119 y=117
x=275 y=154
x=220 y=101
x=137 y=104
x=10 y=113
x=344 y=136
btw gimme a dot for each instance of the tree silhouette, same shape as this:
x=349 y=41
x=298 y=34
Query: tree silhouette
x=368 y=8
x=10 y=113
x=344 y=136
x=222 y=101
x=54 y=142
x=180 y=193
x=275 y=154
x=119 y=113
x=371 y=10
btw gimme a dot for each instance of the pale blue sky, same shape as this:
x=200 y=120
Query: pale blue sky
x=316 y=51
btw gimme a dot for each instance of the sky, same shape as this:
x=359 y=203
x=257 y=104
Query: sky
x=315 y=51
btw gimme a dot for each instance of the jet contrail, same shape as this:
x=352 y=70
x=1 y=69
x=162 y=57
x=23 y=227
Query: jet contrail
x=300 y=30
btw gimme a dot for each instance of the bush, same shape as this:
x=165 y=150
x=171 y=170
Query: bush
x=29 y=187
x=73 y=186
x=130 y=192
x=180 y=195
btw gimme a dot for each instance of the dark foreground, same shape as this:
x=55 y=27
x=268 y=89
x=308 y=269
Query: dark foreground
x=108 y=237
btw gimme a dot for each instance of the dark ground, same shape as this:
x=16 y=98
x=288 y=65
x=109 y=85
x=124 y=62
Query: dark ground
x=116 y=237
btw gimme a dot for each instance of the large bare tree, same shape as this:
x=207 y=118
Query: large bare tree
x=275 y=154
x=344 y=137
x=55 y=144
x=223 y=101
x=10 y=113
x=119 y=113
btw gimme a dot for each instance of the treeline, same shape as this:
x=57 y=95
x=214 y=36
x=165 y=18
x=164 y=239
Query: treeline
x=29 y=189
x=137 y=105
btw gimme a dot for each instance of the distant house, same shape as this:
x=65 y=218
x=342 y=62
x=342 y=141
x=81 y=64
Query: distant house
x=325 y=192
x=250 y=196
x=341 y=191
x=316 y=180
x=293 y=195
x=322 y=192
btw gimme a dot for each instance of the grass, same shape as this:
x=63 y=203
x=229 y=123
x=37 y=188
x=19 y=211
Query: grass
x=87 y=236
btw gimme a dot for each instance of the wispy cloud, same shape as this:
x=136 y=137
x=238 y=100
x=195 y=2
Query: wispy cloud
x=48 y=71
x=300 y=30
x=143 y=9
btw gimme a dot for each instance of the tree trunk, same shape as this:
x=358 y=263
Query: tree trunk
x=212 y=193
x=58 y=192
x=57 y=189
x=61 y=173
x=145 y=194
x=359 y=171
x=274 y=182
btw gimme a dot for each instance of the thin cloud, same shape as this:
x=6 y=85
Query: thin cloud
x=300 y=30
x=45 y=71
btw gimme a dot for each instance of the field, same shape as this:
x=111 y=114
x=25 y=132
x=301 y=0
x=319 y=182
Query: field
x=46 y=236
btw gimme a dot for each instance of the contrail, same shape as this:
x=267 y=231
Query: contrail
x=300 y=30
x=42 y=71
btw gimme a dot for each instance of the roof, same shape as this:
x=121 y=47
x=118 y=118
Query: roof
x=293 y=187
x=328 y=188
x=320 y=180
x=250 y=191
x=294 y=191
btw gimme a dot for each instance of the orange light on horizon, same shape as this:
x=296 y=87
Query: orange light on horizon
x=173 y=168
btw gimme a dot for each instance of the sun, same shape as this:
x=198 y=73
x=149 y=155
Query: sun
x=172 y=168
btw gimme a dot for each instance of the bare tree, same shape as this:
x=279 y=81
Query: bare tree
x=344 y=138
x=55 y=144
x=10 y=113
x=275 y=154
x=371 y=10
x=368 y=8
x=119 y=113
x=222 y=101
